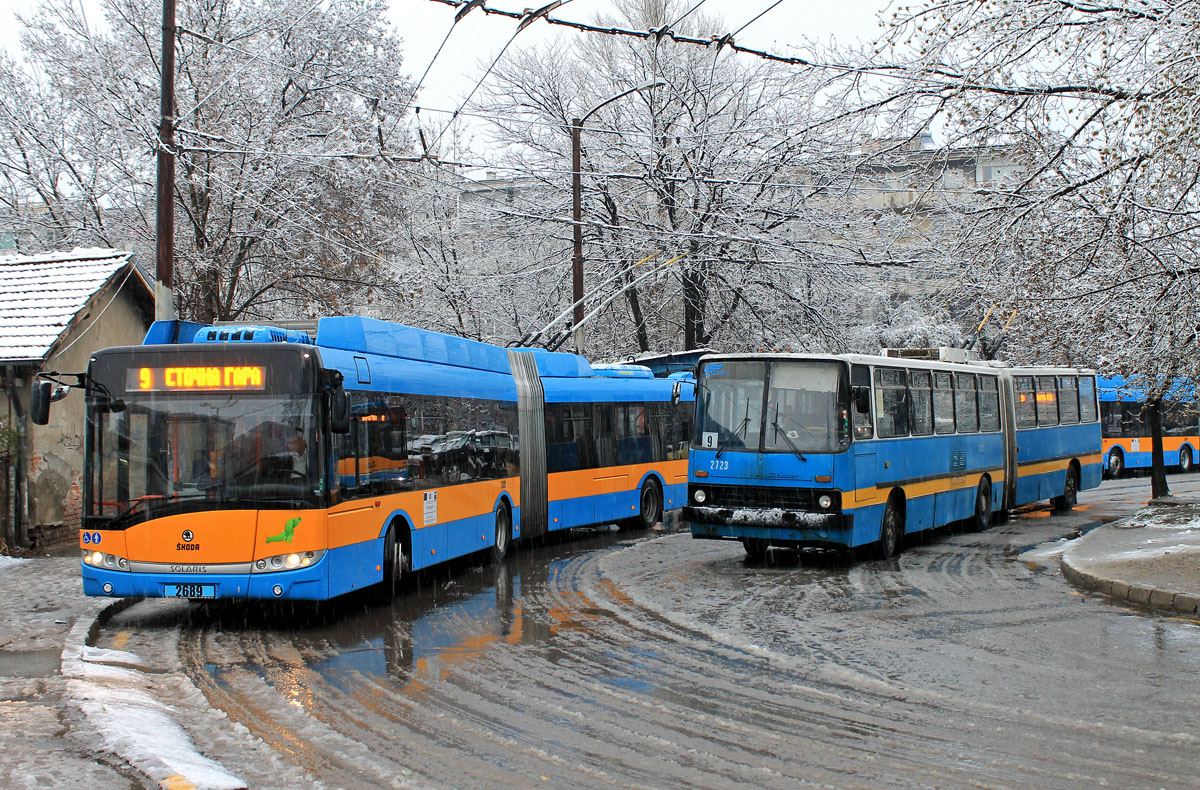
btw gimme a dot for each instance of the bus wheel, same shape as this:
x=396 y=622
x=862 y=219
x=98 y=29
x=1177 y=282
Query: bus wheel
x=1116 y=463
x=503 y=533
x=651 y=505
x=1070 y=491
x=983 y=506
x=394 y=562
x=890 y=529
x=1185 y=459
x=756 y=548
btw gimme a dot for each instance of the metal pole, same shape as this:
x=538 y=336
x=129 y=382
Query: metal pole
x=577 y=229
x=164 y=307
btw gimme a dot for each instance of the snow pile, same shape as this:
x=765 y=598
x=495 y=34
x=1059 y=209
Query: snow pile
x=8 y=562
x=109 y=687
x=1184 y=518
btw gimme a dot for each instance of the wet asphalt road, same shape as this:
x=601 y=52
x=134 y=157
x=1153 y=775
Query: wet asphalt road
x=652 y=660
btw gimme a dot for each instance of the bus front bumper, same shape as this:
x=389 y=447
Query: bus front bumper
x=309 y=583
x=774 y=524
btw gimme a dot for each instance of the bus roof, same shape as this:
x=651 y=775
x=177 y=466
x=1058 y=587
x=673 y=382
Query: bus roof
x=973 y=366
x=360 y=335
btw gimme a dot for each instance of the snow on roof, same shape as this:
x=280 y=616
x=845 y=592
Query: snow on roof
x=40 y=294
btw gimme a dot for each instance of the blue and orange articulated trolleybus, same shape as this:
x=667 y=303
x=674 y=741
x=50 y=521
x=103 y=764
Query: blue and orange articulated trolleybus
x=258 y=462
x=796 y=450
x=1126 y=431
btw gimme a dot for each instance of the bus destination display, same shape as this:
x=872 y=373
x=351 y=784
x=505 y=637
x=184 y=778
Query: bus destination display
x=189 y=379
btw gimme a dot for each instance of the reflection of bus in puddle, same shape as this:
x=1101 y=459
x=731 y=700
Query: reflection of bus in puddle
x=429 y=635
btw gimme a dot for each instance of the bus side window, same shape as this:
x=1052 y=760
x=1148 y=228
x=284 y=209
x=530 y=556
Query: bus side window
x=989 y=404
x=1087 y=399
x=943 y=403
x=891 y=402
x=860 y=378
x=921 y=398
x=1026 y=405
x=1068 y=399
x=966 y=406
x=1047 y=400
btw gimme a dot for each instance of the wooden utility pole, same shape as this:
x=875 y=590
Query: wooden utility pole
x=164 y=305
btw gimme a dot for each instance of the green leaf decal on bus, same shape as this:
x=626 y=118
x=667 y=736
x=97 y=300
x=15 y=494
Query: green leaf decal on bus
x=288 y=530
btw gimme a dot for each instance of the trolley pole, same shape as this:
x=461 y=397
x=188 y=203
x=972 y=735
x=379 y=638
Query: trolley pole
x=164 y=305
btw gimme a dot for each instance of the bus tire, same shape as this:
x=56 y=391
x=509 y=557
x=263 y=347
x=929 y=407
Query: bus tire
x=983 y=506
x=1116 y=462
x=1185 y=459
x=756 y=548
x=1070 y=494
x=503 y=537
x=395 y=561
x=650 y=500
x=891 y=528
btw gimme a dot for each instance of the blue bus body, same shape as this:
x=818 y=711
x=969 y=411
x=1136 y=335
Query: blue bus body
x=1126 y=433
x=452 y=447
x=931 y=442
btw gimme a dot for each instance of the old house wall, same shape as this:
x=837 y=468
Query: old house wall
x=55 y=463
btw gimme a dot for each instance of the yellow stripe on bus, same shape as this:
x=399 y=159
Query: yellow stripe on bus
x=878 y=494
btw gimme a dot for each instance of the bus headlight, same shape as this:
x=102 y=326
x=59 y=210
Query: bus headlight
x=98 y=559
x=287 y=562
x=825 y=501
x=699 y=496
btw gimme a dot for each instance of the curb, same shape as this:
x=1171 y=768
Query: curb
x=1187 y=604
x=165 y=773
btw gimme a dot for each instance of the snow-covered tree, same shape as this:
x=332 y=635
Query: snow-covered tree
x=1093 y=243
x=287 y=113
x=747 y=169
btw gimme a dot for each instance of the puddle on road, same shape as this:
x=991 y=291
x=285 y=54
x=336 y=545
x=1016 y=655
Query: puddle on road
x=443 y=622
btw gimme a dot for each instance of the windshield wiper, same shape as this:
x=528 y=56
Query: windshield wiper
x=737 y=434
x=792 y=445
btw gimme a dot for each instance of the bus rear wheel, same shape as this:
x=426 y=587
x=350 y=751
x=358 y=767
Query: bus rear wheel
x=1070 y=493
x=1185 y=460
x=756 y=548
x=650 y=501
x=891 y=528
x=499 y=549
x=983 y=506
x=1116 y=463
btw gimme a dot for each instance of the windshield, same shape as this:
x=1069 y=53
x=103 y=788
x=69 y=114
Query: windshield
x=165 y=455
x=787 y=405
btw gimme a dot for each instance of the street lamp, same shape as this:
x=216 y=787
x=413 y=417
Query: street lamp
x=576 y=199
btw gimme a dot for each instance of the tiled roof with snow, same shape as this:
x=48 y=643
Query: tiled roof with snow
x=40 y=294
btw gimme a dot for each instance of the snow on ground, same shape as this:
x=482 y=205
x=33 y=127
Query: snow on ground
x=8 y=562
x=110 y=689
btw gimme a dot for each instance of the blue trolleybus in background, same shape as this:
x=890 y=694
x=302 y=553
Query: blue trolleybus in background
x=845 y=451
x=259 y=462
x=1126 y=432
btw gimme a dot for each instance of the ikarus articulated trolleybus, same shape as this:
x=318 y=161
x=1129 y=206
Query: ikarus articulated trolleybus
x=850 y=450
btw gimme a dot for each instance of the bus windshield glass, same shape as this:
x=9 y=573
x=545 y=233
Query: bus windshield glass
x=780 y=405
x=204 y=445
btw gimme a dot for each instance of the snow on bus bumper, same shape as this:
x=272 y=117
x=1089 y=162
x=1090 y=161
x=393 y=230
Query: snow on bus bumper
x=776 y=523
x=310 y=583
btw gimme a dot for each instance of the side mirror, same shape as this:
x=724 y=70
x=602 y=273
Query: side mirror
x=862 y=398
x=39 y=402
x=339 y=411
x=676 y=392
